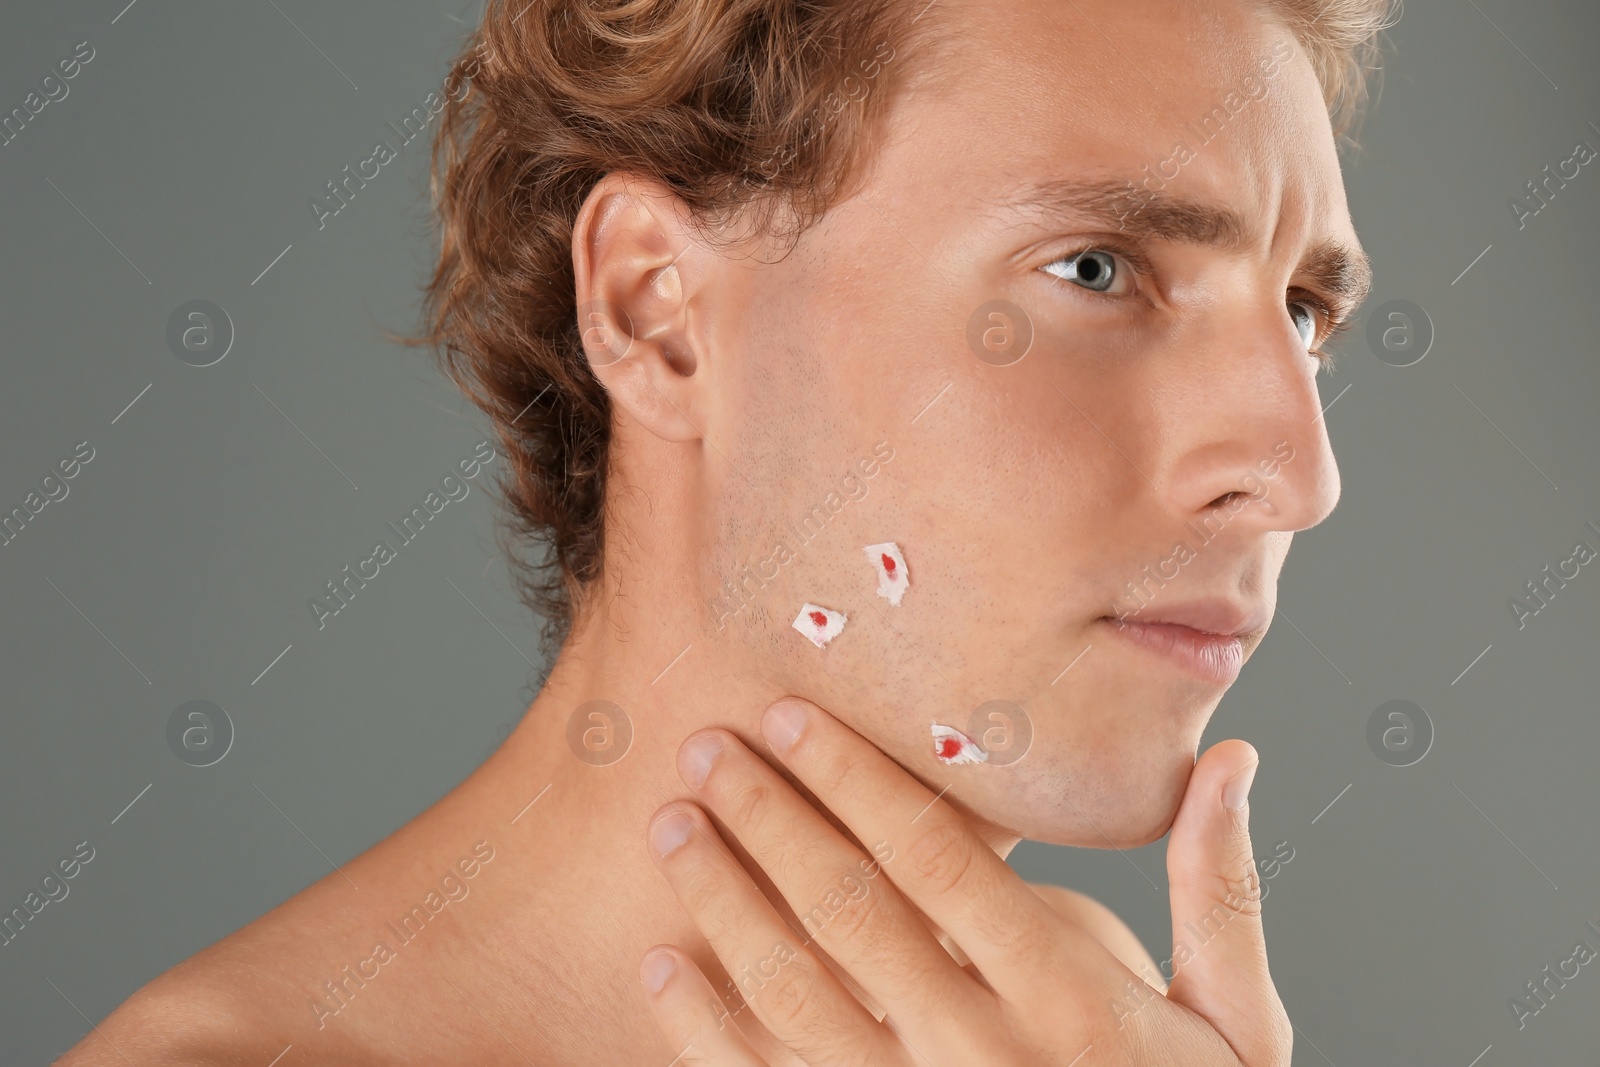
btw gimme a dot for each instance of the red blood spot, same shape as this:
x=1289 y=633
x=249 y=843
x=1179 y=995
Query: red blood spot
x=888 y=563
x=819 y=619
x=949 y=748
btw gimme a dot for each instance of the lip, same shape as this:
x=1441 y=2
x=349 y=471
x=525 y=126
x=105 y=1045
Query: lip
x=1212 y=657
x=1213 y=616
x=1204 y=638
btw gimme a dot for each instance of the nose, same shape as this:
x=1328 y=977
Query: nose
x=1243 y=425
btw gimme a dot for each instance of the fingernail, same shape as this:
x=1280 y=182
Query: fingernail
x=669 y=832
x=781 y=725
x=657 y=968
x=1236 y=790
x=696 y=756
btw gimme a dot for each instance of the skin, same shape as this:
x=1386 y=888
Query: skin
x=953 y=959
x=1024 y=498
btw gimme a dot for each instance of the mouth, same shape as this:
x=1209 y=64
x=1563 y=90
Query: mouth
x=1205 y=639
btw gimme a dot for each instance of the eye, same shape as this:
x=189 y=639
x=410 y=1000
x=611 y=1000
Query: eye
x=1094 y=269
x=1304 y=315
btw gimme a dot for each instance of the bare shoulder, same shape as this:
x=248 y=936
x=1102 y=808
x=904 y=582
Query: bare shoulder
x=1104 y=925
x=230 y=1005
x=315 y=973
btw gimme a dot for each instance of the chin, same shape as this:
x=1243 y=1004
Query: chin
x=1111 y=802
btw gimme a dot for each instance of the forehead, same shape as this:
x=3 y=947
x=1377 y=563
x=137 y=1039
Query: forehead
x=1214 y=100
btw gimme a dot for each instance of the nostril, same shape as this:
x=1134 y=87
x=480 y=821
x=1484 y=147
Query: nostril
x=1238 y=499
x=1227 y=498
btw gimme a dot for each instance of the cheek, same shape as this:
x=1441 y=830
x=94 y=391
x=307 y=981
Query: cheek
x=1002 y=502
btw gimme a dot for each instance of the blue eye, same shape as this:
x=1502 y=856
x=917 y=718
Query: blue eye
x=1304 y=316
x=1092 y=269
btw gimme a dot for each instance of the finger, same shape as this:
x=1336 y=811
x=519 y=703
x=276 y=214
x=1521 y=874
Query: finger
x=839 y=896
x=783 y=982
x=1219 y=949
x=937 y=860
x=690 y=1014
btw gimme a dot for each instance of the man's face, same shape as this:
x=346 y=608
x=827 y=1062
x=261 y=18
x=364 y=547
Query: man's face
x=1166 y=399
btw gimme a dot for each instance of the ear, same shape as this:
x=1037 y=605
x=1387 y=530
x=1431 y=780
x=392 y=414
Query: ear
x=635 y=270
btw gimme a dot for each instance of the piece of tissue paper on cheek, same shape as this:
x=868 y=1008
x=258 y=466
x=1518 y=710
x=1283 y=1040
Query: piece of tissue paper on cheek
x=953 y=746
x=893 y=578
x=819 y=625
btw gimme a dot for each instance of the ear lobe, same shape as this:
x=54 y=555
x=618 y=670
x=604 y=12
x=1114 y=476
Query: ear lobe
x=628 y=251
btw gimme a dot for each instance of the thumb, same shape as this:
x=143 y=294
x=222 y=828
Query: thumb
x=1219 y=950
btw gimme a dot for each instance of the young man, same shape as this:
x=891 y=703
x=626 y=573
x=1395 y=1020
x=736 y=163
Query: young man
x=949 y=366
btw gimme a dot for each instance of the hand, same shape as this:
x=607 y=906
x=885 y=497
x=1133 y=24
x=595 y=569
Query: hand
x=1033 y=989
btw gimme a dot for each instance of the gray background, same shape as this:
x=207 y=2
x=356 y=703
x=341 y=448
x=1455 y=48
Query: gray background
x=180 y=165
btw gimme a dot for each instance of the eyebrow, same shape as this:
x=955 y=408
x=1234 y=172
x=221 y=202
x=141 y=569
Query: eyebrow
x=1342 y=271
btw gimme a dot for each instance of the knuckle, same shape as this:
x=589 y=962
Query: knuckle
x=792 y=1007
x=751 y=804
x=787 y=998
x=1241 y=889
x=834 y=772
x=1235 y=886
x=1037 y=951
x=706 y=896
x=1034 y=949
x=858 y=921
x=940 y=857
x=797 y=859
x=841 y=917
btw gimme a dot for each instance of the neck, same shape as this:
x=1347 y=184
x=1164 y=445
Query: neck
x=600 y=901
